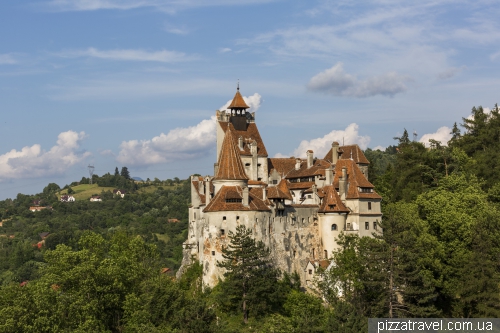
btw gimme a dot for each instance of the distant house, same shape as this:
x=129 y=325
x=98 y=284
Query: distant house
x=37 y=208
x=37 y=202
x=121 y=193
x=312 y=268
x=95 y=198
x=67 y=198
x=173 y=220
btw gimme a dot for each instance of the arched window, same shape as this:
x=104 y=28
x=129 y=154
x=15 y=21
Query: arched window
x=334 y=227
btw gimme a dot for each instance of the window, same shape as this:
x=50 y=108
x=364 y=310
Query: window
x=247 y=164
x=234 y=200
x=310 y=271
x=195 y=215
x=258 y=164
x=375 y=225
x=222 y=232
x=309 y=196
x=334 y=227
x=237 y=218
x=294 y=254
x=223 y=218
x=275 y=181
x=213 y=253
x=326 y=254
x=313 y=254
x=348 y=226
x=367 y=225
x=369 y=206
x=303 y=221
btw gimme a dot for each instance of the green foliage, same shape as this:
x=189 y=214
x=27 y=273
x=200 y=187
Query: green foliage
x=251 y=284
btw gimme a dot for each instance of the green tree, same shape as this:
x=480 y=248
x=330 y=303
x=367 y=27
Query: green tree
x=250 y=282
x=117 y=173
x=125 y=173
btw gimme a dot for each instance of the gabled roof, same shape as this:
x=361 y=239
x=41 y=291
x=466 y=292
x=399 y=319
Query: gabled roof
x=331 y=201
x=230 y=164
x=282 y=165
x=249 y=135
x=355 y=178
x=318 y=168
x=279 y=192
x=238 y=102
x=347 y=151
x=219 y=203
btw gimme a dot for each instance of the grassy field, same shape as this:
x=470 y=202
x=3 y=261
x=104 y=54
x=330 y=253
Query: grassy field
x=85 y=191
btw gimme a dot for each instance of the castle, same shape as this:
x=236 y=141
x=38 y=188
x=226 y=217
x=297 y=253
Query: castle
x=296 y=207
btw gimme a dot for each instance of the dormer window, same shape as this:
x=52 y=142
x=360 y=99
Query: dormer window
x=233 y=200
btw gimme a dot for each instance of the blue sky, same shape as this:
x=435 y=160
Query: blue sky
x=136 y=83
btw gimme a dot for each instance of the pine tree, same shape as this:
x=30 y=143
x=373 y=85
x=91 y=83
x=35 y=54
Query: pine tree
x=125 y=173
x=117 y=173
x=250 y=282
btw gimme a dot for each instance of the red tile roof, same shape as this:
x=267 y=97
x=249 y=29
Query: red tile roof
x=238 y=102
x=230 y=164
x=318 y=168
x=331 y=202
x=279 y=192
x=282 y=165
x=219 y=203
x=357 y=154
x=249 y=135
x=355 y=178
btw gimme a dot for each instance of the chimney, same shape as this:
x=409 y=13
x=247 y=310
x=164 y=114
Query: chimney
x=343 y=184
x=253 y=151
x=315 y=193
x=329 y=176
x=245 y=196
x=201 y=187
x=240 y=142
x=264 y=194
x=335 y=152
x=297 y=163
x=310 y=159
x=207 y=191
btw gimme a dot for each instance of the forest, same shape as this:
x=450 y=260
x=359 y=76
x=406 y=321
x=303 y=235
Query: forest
x=110 y=266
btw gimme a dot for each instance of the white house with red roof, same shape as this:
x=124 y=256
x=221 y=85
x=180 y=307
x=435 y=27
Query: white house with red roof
x=297 y=207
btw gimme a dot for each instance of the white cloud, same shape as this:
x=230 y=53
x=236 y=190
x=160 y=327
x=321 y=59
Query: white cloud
x=336 y=82
x=176 y=30
x=225 y=50
x=494 y=56
x=34 y=162
x=128 y=55
x=7 y=59
x=321 y=146
x=177 y=144
x=379 y=148
x=107 y=152
x=253 y=102
x=442 y=134
x=450 y=72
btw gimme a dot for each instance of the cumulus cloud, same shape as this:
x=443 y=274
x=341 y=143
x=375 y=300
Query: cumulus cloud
x=442 y=135
x=128 y=55
x=321 y=146
x=253 y=102
x=7 y=59
x=225 y=50
x=179 y=143
x=450 y=72
x=381 y=148
x=337 y=82
x=34 y=162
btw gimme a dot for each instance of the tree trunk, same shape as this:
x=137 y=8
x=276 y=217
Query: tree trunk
x=245 y=311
